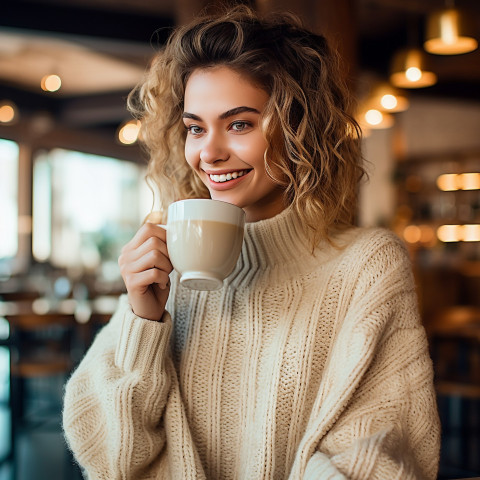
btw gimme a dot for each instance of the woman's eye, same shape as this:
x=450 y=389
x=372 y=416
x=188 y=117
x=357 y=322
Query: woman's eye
x=194 y=130
x=239 y=126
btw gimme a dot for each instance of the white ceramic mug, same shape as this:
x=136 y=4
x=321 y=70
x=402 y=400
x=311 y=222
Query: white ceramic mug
x=204 y=240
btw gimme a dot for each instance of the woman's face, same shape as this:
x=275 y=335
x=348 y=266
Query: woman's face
x=225 y=145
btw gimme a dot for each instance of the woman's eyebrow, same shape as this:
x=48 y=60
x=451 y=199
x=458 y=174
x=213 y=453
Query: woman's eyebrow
x=236 y=111
x=192 y=116
x=223 y=116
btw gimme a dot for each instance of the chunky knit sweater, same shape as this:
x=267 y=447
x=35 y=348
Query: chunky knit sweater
x=303 y=366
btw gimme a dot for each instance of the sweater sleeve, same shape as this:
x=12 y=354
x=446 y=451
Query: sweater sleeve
x=376 y=414
x=123 y=413
x=389 y=428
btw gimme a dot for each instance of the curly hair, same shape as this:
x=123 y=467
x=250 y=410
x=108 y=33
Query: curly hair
x=313 y=142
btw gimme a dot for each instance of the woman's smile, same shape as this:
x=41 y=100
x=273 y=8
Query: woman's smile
x=224 y=180
x=226 y=177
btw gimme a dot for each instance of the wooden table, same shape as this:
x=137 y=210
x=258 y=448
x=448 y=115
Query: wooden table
x=46 y=338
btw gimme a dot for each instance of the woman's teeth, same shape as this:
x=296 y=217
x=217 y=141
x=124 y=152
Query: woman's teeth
x=224 y=177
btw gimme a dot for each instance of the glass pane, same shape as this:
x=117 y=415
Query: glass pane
x=42 y=208
x=8 y=198
x=96 y=204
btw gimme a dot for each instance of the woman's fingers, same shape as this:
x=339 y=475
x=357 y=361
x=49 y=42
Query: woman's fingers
x=144 y=260
x=145 y=268
x=151 y=259
x=145 y=232
x=152 y=244
x=141 y=281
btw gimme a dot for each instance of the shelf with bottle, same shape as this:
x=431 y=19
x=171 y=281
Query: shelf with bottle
x=438 y=201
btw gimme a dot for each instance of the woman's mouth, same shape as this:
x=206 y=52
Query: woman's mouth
x=225 y=177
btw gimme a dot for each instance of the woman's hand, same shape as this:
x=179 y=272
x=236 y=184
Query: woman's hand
x=145 y=266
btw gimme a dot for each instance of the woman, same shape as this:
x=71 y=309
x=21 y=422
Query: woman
x=311 y=361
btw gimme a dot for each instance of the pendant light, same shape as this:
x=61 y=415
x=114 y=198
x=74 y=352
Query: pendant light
x=377 y=120
x=410 y=69
x=370 y=118
x=386 y=98
x=449 y=32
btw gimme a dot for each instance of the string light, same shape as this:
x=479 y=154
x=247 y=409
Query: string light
x=129 y=131
x=8 y=112
x=51 y=83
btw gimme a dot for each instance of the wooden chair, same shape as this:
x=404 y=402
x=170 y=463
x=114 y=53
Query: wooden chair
x=454 y=335
x=40 y=361
x=455 y=341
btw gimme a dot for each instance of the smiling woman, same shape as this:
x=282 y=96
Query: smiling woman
x=310 y=361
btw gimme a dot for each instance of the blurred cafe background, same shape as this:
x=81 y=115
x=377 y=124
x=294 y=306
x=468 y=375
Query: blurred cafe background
x=72 y=188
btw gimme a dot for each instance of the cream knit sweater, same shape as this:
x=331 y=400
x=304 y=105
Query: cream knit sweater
x=300 y=367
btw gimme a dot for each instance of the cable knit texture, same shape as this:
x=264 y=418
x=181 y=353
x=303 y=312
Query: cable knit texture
x=301 y=367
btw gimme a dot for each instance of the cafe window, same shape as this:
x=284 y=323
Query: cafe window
x=85 y=207
x=8 y=199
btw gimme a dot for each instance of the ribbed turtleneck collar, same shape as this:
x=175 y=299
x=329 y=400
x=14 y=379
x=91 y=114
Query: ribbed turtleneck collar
x=277 y=243
x=275 y=240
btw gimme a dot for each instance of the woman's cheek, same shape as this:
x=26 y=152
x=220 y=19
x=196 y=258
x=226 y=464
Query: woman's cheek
x=190 y=155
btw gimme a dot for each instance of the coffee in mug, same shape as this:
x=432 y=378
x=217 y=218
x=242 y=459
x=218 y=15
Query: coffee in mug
x=204 y=240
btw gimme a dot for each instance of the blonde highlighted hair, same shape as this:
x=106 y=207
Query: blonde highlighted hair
x=313 y=141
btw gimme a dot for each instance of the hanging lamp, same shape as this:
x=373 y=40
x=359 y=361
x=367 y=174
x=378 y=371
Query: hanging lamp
x=370 y=118
x=449 y=32
x=409 y=69
x=386 y=98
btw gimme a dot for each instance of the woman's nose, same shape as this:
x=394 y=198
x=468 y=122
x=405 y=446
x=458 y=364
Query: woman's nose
x=213 y=149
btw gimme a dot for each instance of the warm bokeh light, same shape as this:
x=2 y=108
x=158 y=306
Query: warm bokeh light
x=413 y=74
x=449 y=233
x=378 y=120
x=427 y=234
x=459 y=233
x=412 y=234
x=373 y=117
x=385 y=97
x=389 y=102
x=462 y=181
x=419 y=234
x=51 y=83
x=471 y=233
x=470 y=181
x=128 y=132
x=8 y=112
x=447 y=182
